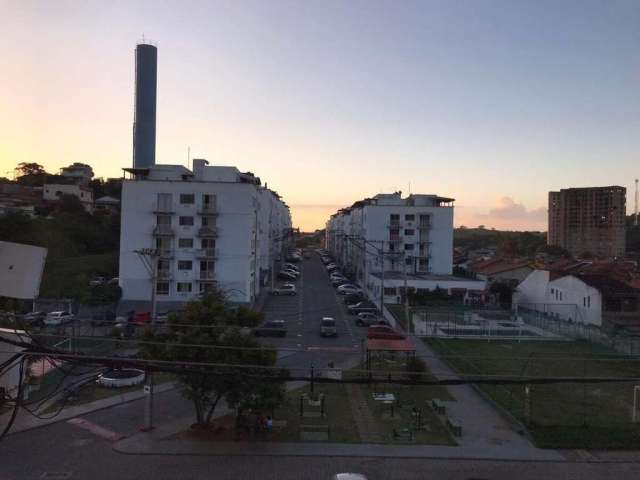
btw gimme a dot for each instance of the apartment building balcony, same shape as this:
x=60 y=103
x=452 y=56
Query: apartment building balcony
x=392 y=225
x=165 y=274
x=209 y=210
x=394 y=238
x=163 y=210
x=207 y=253
x=165 y=253
x=163 y=231
x=424 y=226
x=206 y=276
x=208 y=232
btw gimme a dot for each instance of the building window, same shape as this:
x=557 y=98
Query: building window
x=185 y=243
x=394 y=219
x=186 y=221
x=184 y=287
x=589 y=301
x=409 y=231
x=410 y=217
x=163 y=265
x=208 y=243
x=209 y=202
x=187 y=199
x=389 y=291
x=408 y=246
x=185 y=264
x=162 y=288
x=408 y=261
x=560 y=296
x=207 y=287
x=164 y=202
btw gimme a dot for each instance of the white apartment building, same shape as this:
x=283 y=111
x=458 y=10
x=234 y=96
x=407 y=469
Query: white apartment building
x=387 y=242
x=213 y=226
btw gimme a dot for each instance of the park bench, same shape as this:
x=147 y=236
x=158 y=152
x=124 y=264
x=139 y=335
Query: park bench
x=455 y=427
x=438 y=406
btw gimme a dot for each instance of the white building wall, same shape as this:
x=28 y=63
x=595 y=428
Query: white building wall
x=53 y=192
x=242 y=244
x=565 y=298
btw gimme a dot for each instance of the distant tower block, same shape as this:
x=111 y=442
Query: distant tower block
x=635 y=212
x=144 y=121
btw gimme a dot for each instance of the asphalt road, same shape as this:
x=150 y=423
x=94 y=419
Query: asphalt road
x=316 y=298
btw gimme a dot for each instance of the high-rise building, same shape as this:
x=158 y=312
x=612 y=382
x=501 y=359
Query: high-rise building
x=588 y=220
x=144 y=122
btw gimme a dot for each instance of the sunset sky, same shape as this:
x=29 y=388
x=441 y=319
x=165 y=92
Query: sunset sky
x=493 y=103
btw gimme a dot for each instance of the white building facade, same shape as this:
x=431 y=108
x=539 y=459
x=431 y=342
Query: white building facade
x=52 y=192
x=564 y=298
x=213 y=227
x=387 y=242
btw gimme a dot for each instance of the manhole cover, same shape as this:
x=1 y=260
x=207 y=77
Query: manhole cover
x=55 y=475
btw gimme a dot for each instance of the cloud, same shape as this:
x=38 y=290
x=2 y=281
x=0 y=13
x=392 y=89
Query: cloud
x=507 y=214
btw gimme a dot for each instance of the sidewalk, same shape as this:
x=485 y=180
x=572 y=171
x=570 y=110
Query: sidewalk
x=26 y=421
x=150 y=444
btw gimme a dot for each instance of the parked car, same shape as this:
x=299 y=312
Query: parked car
x=34 y=318
x=139 y=318
x=286 y=289
x=328 y=327
x=360 y=307
x=114 y=281
x=58 y=318
x=291 y=266
x=271 y=328
x=339 y=281
x=284 y=275
x=291 y=270
x=366 y=319
x=332 y=267
x=347 y=288
x=384 y=332
x=353 y=298
x=294 y=258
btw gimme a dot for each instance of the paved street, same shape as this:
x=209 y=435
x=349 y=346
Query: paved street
x=316 y=299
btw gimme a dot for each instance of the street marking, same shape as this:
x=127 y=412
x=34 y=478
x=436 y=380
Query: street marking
x=96 y=429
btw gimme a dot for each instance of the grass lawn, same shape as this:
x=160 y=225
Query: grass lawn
x=569 y=415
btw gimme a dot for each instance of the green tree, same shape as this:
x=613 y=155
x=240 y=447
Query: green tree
x=26 y=168
x=248 y=378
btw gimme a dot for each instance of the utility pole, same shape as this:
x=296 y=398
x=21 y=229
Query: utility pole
x=406 y=296
x=149 y=258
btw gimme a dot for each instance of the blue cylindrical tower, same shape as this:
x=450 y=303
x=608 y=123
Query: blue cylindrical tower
x=144 y=120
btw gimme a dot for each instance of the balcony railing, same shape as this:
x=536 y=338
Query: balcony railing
x=208 y=210
x=424 y=226
x=163 y=210
x=165 y=253
x=207 y=232
x=394 y=238
x=393 y=225
x=207 y=275
x=207 y=253
x=163 y=231
x=164 y=274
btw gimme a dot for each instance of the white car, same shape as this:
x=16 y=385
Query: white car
x=58 y=318
x=286 y=289
x=348 y=288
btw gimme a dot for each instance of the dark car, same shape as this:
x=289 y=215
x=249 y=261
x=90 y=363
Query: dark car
x=283 y=275
x=339 y=281
x=353 y=298
x=271 y=328
x=384 y=332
